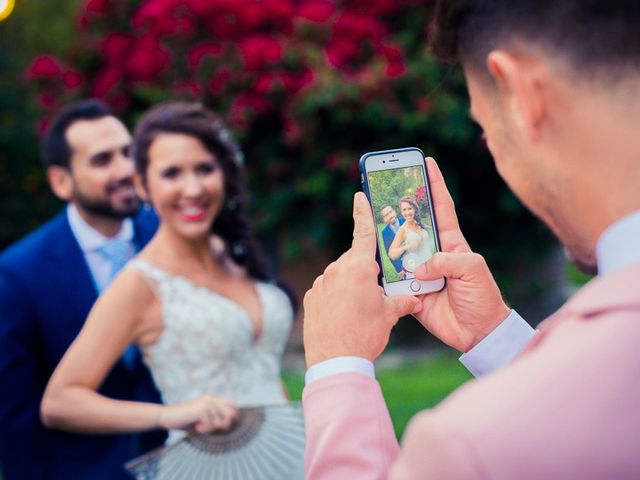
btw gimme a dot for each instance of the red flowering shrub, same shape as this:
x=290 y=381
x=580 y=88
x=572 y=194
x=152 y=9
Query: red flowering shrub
x=308 y=85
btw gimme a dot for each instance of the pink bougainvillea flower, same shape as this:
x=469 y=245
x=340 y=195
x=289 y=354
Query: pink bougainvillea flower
x=71 y=79
x=44 y=66
x=106 y=80
x=96 y=6
x=260 y=50
x=148 y=59
x=116 y=47
x=318 y=11
x=197 y=53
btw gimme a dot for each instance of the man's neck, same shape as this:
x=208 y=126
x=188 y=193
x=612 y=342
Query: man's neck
x=602 y=156
x=105 y=225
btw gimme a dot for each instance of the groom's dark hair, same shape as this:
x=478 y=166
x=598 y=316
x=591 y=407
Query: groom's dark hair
x=593 y=37
x=55 y=148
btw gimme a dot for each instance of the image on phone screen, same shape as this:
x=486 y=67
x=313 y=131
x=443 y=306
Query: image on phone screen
x=402 y=212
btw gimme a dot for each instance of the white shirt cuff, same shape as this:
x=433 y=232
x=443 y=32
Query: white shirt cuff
x=499 y=347
x=337 y=365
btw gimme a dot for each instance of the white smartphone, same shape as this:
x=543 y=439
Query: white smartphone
x=397 y=185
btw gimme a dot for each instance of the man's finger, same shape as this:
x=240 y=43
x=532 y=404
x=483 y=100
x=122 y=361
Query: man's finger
x=448 y=228
x=364 y=228
x=404 y=305
x=450 y=265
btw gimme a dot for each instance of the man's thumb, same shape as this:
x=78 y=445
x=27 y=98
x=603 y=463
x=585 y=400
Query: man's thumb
x=449 y=265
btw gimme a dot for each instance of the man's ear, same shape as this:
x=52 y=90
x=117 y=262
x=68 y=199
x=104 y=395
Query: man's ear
x=520 y=82
x=140 y=187
x=61 y=182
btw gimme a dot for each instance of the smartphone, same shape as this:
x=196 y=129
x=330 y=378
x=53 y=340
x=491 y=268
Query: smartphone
x=397 y=185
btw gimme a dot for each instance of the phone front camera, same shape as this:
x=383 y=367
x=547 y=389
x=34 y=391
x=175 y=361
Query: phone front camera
x=384 y=161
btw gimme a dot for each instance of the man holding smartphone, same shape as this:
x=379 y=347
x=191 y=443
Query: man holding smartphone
x=556 y=87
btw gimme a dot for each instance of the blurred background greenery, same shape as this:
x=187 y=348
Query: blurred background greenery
x=307 y=86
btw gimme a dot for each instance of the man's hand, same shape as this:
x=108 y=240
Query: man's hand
x=470 y=306
x=346 y=311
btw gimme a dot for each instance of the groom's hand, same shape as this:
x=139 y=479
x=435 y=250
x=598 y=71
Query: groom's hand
x=346 y=311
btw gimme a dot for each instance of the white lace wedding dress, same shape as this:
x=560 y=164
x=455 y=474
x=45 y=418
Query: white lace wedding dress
x=208 y=346
x=423 y=251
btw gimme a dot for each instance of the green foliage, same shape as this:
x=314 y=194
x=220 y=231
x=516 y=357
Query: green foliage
x=408 y=388
x=389 y=186
x=25 y=199
x=302 y=166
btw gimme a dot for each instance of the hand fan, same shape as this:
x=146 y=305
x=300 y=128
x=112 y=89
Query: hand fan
x=266 y=443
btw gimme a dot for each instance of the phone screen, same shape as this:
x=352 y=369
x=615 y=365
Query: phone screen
x=404 y=220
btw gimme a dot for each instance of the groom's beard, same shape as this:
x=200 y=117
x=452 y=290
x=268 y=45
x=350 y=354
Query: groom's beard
x=103 y=206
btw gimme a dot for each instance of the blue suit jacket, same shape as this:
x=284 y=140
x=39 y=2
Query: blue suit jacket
x=387 y=237
x=46 y=292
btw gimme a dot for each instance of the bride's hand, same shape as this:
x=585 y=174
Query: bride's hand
x=203 y=414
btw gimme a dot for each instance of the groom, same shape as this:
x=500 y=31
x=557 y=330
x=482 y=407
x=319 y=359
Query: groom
x=555 y=86
x=393 y=223
x=49 y=282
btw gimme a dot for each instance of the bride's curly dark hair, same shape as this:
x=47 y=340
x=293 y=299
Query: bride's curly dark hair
x=232 y=224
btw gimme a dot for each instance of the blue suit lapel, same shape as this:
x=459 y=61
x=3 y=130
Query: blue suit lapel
x=76 y=281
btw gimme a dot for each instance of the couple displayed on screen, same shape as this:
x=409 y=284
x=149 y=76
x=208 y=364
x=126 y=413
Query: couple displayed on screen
x=406 y=239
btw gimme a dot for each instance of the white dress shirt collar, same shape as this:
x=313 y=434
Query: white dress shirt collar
x=89 y=238
x=617 y=247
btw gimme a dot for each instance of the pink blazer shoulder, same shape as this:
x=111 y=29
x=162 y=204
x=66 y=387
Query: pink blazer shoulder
x=567 y=407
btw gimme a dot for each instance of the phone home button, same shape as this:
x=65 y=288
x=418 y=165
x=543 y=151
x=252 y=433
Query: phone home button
x=415 y=286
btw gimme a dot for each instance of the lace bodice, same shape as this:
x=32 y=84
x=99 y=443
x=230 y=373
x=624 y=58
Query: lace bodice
x=425 y=245
x=208 y=345
x=416 y=256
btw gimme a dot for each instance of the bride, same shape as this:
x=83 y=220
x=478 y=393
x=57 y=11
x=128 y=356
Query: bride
x=412 y=242
x=197 y=299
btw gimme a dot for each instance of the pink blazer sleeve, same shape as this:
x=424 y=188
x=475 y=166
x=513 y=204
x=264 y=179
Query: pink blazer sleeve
x=350 y=437
x=348 y=429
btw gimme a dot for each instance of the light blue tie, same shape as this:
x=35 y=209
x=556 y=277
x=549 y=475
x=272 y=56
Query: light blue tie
x=119 y=252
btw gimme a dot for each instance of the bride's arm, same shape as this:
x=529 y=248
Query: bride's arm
x=397 y=247
x=71 y=401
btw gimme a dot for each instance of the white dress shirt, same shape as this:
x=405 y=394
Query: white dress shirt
x=91 y=241
x=616 y=248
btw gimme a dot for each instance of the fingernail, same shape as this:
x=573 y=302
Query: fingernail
x=421 y=270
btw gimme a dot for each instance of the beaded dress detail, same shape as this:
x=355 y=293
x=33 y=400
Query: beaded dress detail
x=208 y=344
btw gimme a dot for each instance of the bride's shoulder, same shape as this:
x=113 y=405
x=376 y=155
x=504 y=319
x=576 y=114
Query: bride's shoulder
x=130 y=290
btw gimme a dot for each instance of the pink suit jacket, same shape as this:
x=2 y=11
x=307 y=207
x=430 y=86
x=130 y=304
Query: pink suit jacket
x=568 y=407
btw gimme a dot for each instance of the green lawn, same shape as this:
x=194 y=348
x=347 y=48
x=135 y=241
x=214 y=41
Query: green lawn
x=410 y=388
